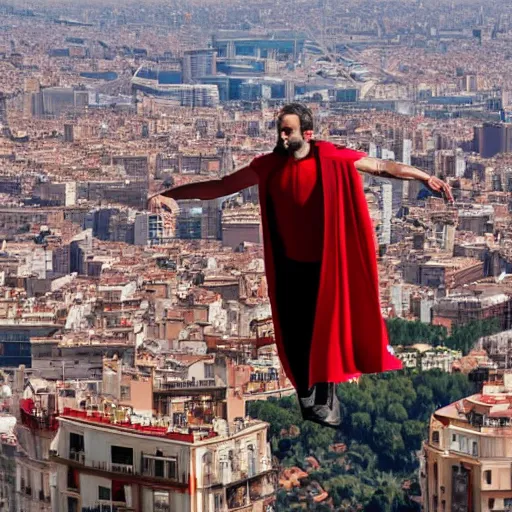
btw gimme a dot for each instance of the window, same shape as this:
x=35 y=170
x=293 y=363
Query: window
x=231 y=458
x=103 y=493
x=491 y=503
x=475 y=449
x=125 y=393
x=159 y=468
x=251 y=456
x=208 y=371
x=488 y=476
x=122 y=455
x=173 y=469
x=463 y=441
x=161 y=502
x=118 y=494
x=454 y=438
x=435 y=437
x=76 y=443
x=73 y=479
x=208 y=476
x=217 y=502
x=72 y=504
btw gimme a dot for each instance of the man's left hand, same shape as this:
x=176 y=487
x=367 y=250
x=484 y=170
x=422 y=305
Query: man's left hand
x=439 y=185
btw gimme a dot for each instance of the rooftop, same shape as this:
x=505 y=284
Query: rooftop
x=490 y=409
x=182 y=435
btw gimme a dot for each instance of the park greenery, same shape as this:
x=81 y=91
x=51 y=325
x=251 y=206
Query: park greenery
x=385 y=421
x=462 y=337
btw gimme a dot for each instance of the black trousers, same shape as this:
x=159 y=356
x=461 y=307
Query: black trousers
x=297 y=286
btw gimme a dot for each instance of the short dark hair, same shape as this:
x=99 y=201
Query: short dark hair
x=304 y=113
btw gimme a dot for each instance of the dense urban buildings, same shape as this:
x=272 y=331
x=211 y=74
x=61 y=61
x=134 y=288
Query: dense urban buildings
x=132 y=341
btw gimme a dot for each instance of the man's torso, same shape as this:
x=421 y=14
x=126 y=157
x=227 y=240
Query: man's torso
x=297 y=197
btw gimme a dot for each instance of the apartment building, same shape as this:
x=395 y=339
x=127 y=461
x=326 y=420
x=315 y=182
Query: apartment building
x=108 y=461
x=466 y=463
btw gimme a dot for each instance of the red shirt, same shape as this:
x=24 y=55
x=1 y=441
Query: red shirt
x=297 y=197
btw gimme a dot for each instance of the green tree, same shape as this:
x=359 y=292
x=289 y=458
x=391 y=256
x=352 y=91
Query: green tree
x=388 y=440
x=396 y=413
x=379 y=502
x=413 y=433
x=385 y=422
x=403 y=386
x=361 y=426
x=316 y=439
x=362 y=455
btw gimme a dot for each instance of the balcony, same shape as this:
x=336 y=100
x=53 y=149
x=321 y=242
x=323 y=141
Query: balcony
x=225 y=476
x=184 y=384
x=190 y=388
x=116 y=507
x=497 y=423
x=111 y=467
x=487 y=423
x=77 y=456
x=147 y=473
x=36 y=419
x=159 y=467
x=211 y=479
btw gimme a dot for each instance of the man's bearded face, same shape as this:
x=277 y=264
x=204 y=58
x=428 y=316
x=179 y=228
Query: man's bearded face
x=290 y=134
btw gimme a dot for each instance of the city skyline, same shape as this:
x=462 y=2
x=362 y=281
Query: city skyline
x=138 y=362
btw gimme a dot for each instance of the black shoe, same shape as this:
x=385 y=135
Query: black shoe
x=327 y=414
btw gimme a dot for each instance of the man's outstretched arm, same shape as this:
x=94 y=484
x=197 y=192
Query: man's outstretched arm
x=397 y=170
x=211 y=189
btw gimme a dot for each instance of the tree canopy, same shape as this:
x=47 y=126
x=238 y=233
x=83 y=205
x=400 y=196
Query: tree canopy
x=462 y=337
x=385 y=420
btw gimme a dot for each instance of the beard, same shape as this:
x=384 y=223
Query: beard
x=289 y=148
x=294 y=145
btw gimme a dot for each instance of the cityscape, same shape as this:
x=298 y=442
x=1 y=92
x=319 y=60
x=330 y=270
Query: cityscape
x=138 y=363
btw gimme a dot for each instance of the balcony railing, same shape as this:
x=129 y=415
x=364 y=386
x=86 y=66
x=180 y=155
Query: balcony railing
x=159 y=467
x=36 y=419
x=170 y=472
x=162 y=507
x=77 y=456
x=127 y=469
x=122 y=468
x=497 y=423
x=486 y=423
x=106 y=507
x=210 y=479
x=245 y=508
x=185 y=384
x=226 y=476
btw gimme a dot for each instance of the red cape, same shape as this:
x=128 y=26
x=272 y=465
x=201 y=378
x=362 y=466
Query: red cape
x=350 y=336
